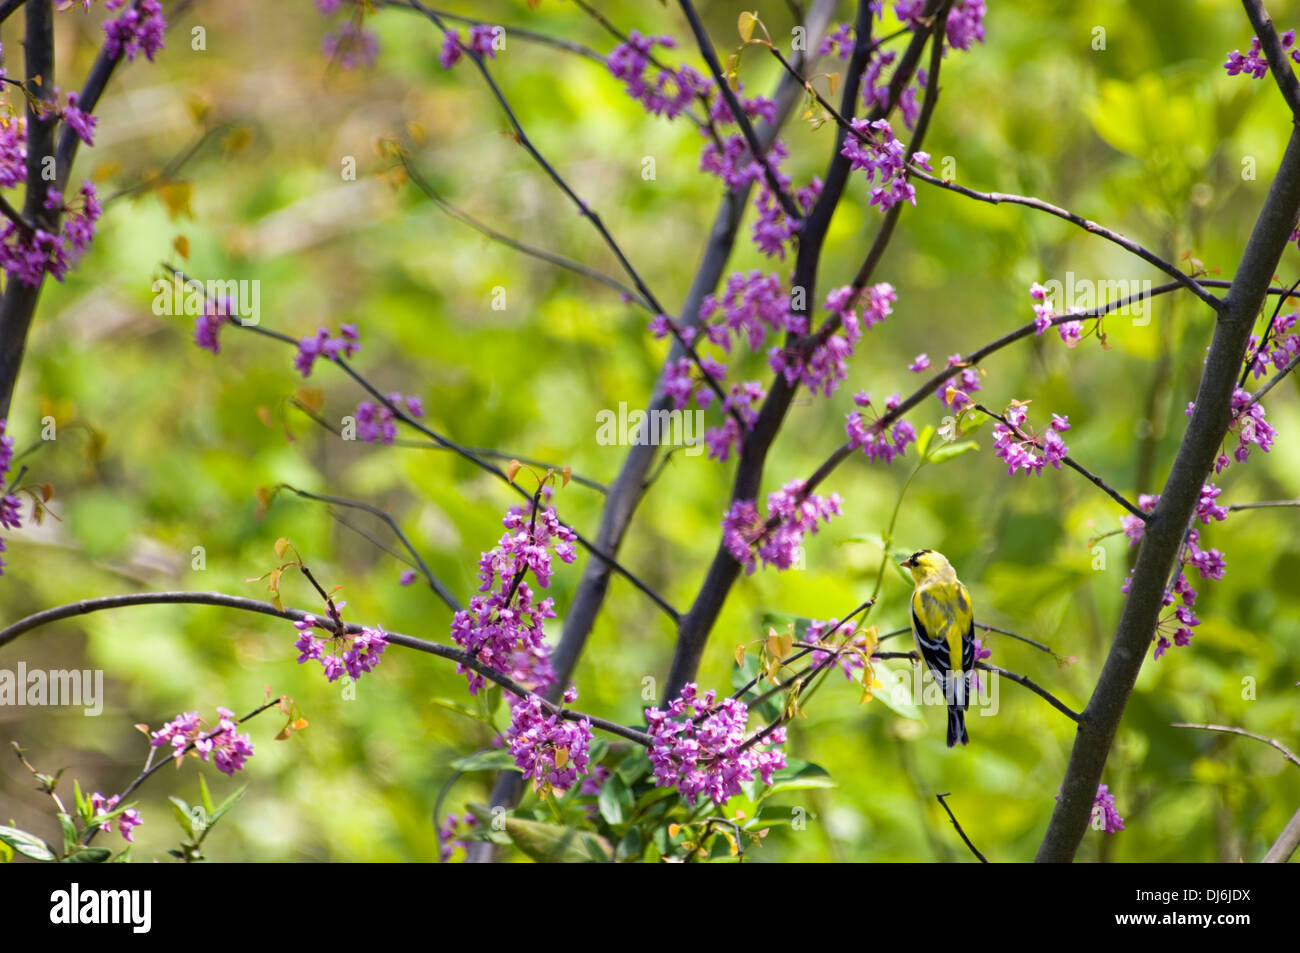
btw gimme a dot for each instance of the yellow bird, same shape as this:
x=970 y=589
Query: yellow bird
x=944 y=625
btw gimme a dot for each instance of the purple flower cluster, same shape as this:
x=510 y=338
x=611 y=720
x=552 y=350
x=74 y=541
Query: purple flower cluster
x=13 y=151
x=361 y=654
x=127 y=821
x=10 y=505
x=1209 y=563
x=448 y=841
x=350 y=45
x=1104 y=815
x=849 y=660
x=823 y=362
x=699 y=746
x=1024 y=450
x=480 y=41
x=376 y=423
x=503 y=629
x=796 y=513
x=838 y=41
x=874 y=150
x=873 y=440
x=30 y=254
x=224 y=746
x=139 y=30
x=82 y=123
x=1249 y=425
x=965 y=25
x=1070 y=331
x=751 y=305
x=1253 y=63
x=207 y=326
x=955 y=392
x=323 y=344
x=551 y=750
x=1281 y=348
x=668 y=92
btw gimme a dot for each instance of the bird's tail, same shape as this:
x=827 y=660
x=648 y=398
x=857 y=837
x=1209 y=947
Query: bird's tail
x=957 y=727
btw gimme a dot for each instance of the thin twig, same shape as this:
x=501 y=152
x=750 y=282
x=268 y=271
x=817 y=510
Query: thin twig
x=1286 y=752
x=1076 y=466
x=87 y=606
x=438 y=587
x=982 y=859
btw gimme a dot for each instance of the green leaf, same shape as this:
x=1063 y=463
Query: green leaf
x=183 y=813
x=89 y=855
x=923 y=441
x=6 y=853
x=901 y=703
x=29 y=845
x=458 y=708
x=551 y=843
x=614 y=800
x=83 y=805
x=630 y=846
x=494 y=759
x=206 y=796
x=123 y=858
x=226 y=805
x=69 y=831
x=798 y=776
x=950 y=450
x=633 y=768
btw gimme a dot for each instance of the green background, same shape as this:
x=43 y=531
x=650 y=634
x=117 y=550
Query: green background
x=1147 y=136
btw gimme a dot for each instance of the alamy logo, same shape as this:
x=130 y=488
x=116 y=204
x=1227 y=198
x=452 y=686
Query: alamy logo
x=240 y=299
x=674 y=428
x=1084 y=294
x=78 y=688
x=73 y=906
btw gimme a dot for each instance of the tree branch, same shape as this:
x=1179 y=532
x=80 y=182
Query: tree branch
x=978 y=856
x=1278 y=63
x=438 y=587
x=87 y=606
x=1163 y=535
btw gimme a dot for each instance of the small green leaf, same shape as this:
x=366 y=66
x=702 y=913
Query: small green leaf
x=6 y=853
x=614 y=797
x=494 y=759
x=83 y=805
x=184 y=816
x=949 y=450
x=630 y=846
x=69 y=832
x=29 y=845
x=89 y=855
x=206 y=796
x=923 y=441
x=226 y=805
x=551 y=843
x=458 y=708
x=633 y=768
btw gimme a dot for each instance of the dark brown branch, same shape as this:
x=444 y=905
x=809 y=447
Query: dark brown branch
x=978 y=856
x=1278 y=62
x=87 y=606
x=1163 y=536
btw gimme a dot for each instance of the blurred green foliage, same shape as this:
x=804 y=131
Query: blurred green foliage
x=1147 y=136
